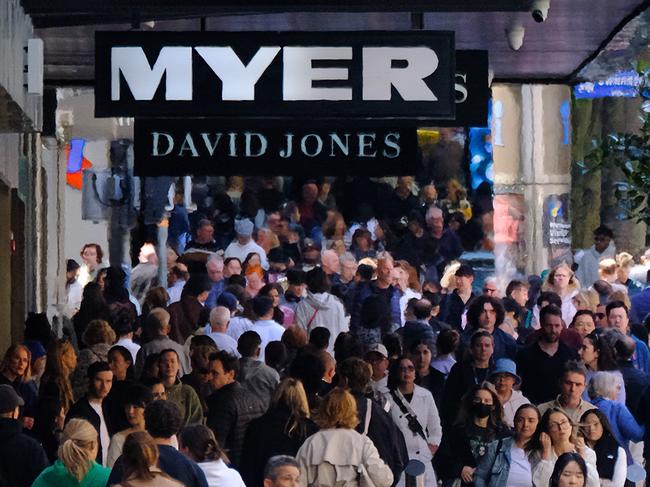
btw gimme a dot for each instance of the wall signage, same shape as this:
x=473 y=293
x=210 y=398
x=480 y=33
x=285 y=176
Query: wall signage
x=175 y=147
x=407 y=75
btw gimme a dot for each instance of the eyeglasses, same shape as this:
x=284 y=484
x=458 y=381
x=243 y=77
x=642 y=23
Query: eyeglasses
x=559 y=425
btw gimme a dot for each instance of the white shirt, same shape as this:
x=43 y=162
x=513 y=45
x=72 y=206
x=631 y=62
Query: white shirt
x=104 y=437
x=269 y=331
x=74 y=293
x=224 y=342
x=130 y=346
x=520 y=473
x=175 y=291
x=237 y=326
x=217 y=473
x=235 y=249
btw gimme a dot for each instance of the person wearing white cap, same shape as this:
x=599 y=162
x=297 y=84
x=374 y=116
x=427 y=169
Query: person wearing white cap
x=244 y=244
x=377 y=357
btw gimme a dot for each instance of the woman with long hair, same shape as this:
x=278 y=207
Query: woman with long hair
x=562 y=281
x=598 y=356
x=506 y=461
x=555 y=435
x=337 y=454
x=478 y=423
x=281 y=431
x=275 y=292
x=415 y=413
x=140 y=463
x=198 y=442
x=15 y=370
x=611 y=460
x=55 y=395
x=76 y=464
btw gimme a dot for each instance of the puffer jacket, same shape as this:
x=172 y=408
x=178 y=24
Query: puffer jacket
x=230 y=409
x=322 y=309
x=335 y=457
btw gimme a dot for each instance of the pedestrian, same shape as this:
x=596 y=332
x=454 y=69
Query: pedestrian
x=158 y=327
x=257 y=377
x=98 y=338
x=415 y=413
x=188 y=314
x=76 y=465
x=611 y=459
x=619 y=319
x=479 y=423
x=427 y=377
x=199 y=444
x=504 y=377
x=280 y=431
x=163 y=421
x=182 y=394
x=268 y=329
x=55 y=395
x=597 y=355
x=92 y=406
x=135 y=401
x=570 y=471
x=572 y=387
x=506 y=462
x=219 y=320
x=140 y=458
x=337 y=454
x=281 y=471
x=562 y=281
x=556 y=435
x=120 y=362
x=22 y=458
x=16 y=371
x=230 y=407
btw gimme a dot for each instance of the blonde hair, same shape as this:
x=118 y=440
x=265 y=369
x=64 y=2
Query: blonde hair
x=624 y=260
x=338 y=410
x=76 y=449
x=291 y=394
x=11 y=352
x=98 y=331
x=447 y=281
x=586 y=299
x=607 y=267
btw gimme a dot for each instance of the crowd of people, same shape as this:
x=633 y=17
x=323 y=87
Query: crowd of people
x=296 y=343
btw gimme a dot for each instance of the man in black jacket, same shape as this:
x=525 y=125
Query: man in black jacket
x=231 y=407
x=91 y=407
x=22 y=458
x=354 y=375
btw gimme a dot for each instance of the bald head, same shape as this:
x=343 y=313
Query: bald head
x=219 y=318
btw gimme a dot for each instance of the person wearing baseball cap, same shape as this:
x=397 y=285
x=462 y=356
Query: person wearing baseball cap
x=244 y=243
x=377 y=357
x=22 y=458
x=455 y=305
x=504 y=377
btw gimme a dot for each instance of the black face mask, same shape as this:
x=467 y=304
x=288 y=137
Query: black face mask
x=481 y=410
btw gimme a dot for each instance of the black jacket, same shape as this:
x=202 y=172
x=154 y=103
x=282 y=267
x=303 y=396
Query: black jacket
x=267 y=436
x=230 y=410
x=386 y=436
x=22 y=458
x=83 y=410
x=452 y=309
x=462 y=377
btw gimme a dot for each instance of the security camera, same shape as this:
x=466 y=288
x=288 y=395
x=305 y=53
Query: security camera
x=515 y=35
x=539 y=10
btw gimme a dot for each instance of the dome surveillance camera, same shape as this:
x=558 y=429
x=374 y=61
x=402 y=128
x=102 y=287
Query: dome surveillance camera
x=539 y=10
x=515 y=35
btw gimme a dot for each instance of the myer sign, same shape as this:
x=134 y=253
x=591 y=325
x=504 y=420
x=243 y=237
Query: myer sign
x=269 y=74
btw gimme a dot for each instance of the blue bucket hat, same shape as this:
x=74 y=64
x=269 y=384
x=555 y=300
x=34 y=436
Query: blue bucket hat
x=505 y=366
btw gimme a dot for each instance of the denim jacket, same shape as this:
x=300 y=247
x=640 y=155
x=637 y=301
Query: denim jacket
x=493 y=469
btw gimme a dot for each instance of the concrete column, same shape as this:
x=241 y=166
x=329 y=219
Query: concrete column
x=532 y=159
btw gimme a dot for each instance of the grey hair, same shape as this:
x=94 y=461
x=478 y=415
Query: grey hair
x=347 y=257
x=603 y=384
x=216 y=258
x=276 y=462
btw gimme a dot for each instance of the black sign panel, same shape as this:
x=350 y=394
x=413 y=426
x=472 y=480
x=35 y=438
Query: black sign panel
x=175 y=147
x=471 y=89
x=408 y=75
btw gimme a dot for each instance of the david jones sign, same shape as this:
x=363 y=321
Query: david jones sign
x=260 y=147
x=408 y=75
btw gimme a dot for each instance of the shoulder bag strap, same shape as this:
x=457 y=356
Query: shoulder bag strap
x=368 y=415
x=406 y=409
x=312 y=318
